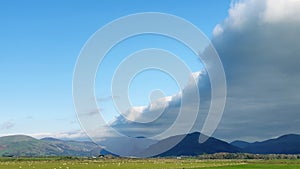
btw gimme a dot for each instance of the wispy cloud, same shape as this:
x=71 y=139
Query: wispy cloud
x=94 y=112
x=7 y=125
x=107 y=98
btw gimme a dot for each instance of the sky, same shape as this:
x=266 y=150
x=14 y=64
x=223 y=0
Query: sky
x=255 y=39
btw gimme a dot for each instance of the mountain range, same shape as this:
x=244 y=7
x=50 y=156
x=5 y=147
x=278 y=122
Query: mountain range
x=286 y=144
x=22 y=145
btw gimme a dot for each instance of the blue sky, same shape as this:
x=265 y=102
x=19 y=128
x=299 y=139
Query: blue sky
x=40 y=42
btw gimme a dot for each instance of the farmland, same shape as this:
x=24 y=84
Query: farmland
x=152 y=163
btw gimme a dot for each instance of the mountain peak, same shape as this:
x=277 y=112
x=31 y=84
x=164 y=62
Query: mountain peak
x=190 y=146
x=289 y=136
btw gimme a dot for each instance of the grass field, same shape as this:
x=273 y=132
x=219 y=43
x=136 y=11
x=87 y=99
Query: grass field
x=146 y=164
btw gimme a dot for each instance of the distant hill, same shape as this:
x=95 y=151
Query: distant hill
x=190 y=146
x=287 y=144
x=74 y=148
x=21 y=145
x=240 y=144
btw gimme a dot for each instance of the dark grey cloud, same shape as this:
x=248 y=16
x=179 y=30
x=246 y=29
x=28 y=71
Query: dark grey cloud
x=259 y=46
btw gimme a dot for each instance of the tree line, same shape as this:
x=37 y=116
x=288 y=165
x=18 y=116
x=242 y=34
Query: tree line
x=248 y=156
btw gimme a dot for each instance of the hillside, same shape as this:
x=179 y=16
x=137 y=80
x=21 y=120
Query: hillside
x=21 y=145
x=287 y=144
x=190 y=146
x=74 y=148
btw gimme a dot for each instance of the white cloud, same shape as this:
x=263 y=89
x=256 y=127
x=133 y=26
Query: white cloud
x=218 y=30
x=246 y=14
x=135 y=112
x=282 y=11
x=242 y=14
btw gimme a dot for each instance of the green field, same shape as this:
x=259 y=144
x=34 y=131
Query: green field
x=145 y=164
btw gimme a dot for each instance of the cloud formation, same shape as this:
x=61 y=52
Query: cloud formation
x=259 y=46
x=160 y=114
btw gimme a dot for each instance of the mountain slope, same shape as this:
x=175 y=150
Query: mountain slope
x=20 y=145
x=287 y=144
x=74 y=148
x=240 y=144
x=190 y=146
